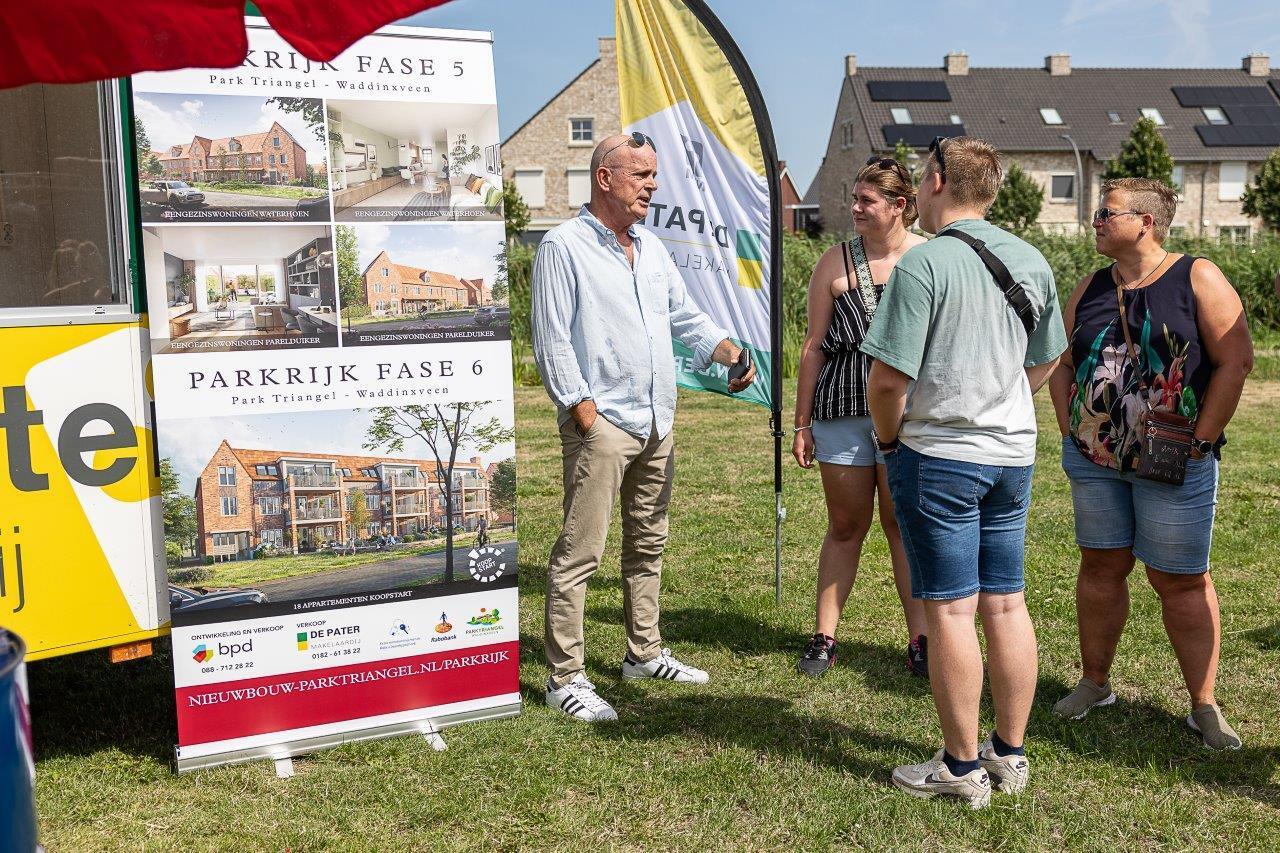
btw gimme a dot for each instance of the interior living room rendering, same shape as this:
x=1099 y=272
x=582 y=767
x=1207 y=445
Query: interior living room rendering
x=394 y=161
x=226 y=288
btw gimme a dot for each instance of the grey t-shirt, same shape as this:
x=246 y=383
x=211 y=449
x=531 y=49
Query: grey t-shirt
x=944 y=322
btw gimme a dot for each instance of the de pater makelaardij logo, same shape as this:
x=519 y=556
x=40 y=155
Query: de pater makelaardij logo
x=486 y=564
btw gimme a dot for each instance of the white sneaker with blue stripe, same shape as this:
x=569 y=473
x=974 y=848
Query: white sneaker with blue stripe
x=664 y=666
x=579 y=700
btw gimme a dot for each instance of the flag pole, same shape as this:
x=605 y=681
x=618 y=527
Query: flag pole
x=769 y=151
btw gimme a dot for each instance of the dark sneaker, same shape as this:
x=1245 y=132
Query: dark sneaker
x=918 y=657
x=818 y=657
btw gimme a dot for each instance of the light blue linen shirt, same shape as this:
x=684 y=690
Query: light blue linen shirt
x=602 y=328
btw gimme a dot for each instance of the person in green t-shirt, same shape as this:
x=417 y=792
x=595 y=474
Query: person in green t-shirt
x=950 y=392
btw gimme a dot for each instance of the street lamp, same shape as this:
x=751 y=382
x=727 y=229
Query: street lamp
x=1079 y=183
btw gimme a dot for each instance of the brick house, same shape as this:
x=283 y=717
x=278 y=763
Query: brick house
x=391 y=288
x=549 y=156
x=301 y=501
x=1219 y=124
x=272 y=156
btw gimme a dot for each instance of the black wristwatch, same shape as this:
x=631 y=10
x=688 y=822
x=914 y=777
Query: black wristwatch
x=1203 y=445
x=884 y=446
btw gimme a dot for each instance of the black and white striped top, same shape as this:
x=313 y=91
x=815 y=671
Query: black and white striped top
x=842 y=383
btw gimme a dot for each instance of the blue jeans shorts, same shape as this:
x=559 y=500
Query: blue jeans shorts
x=845 y=441
x=1170 y=528
x=964 y=525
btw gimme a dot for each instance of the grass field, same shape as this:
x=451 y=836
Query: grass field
x=760 y=758
x=270 y=190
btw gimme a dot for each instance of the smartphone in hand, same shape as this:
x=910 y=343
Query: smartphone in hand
x=739 y=370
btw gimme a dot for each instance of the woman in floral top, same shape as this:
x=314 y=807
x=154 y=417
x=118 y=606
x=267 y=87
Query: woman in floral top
x=1193 y=352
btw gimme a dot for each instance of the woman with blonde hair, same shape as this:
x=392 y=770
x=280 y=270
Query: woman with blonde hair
x=832 y=423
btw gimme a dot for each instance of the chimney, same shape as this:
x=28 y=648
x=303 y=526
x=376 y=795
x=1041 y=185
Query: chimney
x=607 y=46
x=1257 y=64
x=851 y=65
x=1058 y=64
x=956 y=63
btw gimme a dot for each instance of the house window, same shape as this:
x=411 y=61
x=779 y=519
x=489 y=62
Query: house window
x=1215 y=115
x=275 y=142
x=955 y=119
x=1113 y=117
x=284 y=159
x=273 y=470
x=269 y=505
x=1179 y=174
x=1234 y=233
x=1050 y=115
x=273 y=537
x=581 y=131
x=579 y=186
x=226 y=475
x=1062 y=187
x=532 y=186
x=393 y=288
x=260 y=469
x=1153 y=114
x=271 y=159
x=378 y=287
x=385 y=272
x=901 y=115
x=230 y=506
x=1231 y=181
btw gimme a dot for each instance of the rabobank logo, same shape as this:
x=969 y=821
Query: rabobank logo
x=202 y=653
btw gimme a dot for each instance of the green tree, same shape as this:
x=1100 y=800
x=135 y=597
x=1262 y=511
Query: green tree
x=1262 y=198
x=179 y=514
x=515 y=213
x=501 y=289
x=311 y=109
x=148 y=162
x=502 y=489
x=443 y=428
x=1017 y=205
x=350 y=285
x=902 y=153
x=360 y=516
x=1144 y=155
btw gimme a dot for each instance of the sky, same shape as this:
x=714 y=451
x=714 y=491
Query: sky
x=796 y=49
x=462 y=249
x=175 y=119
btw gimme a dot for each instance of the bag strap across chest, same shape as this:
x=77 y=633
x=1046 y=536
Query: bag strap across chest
x=1013 y=292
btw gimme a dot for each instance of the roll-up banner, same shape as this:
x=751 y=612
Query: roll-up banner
x=325 y=270
x=683 y=83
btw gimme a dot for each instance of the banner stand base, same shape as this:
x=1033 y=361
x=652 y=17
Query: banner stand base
x=434 y=740
x=284 y=768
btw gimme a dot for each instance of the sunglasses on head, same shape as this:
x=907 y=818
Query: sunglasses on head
x=635 y=140
x=935 y=148
x=886 y=163
x=1103 y=214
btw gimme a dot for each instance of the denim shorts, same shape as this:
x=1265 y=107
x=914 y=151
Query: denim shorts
x=1170 y=528
x=964 y=525
x=845 y=441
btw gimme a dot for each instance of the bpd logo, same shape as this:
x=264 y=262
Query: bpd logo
x=486 y=564
x=202 y=654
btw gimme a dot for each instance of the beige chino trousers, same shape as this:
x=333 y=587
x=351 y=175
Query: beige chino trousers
x=598 y=467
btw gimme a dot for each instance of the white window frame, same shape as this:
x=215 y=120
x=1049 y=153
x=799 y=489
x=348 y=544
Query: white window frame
x=1235 y=233
x=1221 y=115
x=591 y=132
x=226 y=475
x=1051 y=116
x=1153 y=114
x=1233 y=177
x=901 y=115
x=583 y=181
x=1179 y=178
x=1072 y=176
x=232 y=502
x=534 y=194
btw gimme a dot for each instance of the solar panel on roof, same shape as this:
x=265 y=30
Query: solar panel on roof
x=1217 y=96
x=918 y=135
x=908 y=90
x=1237 y=135
x=1275 y=87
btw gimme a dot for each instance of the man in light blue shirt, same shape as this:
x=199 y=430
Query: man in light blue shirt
x=607 y=300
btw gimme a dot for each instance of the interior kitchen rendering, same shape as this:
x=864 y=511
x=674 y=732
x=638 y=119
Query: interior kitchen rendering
x=394 y=161
x=228 y=288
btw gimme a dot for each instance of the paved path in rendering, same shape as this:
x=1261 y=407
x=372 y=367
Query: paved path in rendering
x=417 y=323
x=391 y=574
x=220 y=199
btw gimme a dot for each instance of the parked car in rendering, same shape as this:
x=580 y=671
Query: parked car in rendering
x=182 y=598
x=172 y=194
x=485 y=315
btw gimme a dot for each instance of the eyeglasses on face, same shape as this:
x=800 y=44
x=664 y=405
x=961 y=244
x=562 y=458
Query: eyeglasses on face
x=1103 y=214
x=935 y=148
x=635 y=140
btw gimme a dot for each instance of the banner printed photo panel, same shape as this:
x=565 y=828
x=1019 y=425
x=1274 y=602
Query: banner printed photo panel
x=325 y=270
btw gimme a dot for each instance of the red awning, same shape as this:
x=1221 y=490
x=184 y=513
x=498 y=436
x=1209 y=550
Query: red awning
x=74 y=41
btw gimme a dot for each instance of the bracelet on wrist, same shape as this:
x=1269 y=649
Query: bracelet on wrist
x=799 y=428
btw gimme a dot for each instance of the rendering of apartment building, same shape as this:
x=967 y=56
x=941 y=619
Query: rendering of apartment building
x=269 y=157
x=391 y=288
x=302 y=501
x=1219 y=125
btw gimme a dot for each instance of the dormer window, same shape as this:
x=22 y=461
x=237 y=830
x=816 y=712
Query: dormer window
x=1153 y=114
x=1214 y=115
x=1050 y=115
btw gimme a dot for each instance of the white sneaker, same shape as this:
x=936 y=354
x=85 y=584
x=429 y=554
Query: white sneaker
x=932 y=778
x=579 y=700
x=663 y=666
x=1009 y=772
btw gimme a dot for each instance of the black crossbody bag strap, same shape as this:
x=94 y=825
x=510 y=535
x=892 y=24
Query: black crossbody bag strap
x=1013 y=292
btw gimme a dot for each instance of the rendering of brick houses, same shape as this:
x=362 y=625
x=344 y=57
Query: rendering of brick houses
x=302 y=501
x=391 y=288
x=1219 y=124
x=270 y=157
